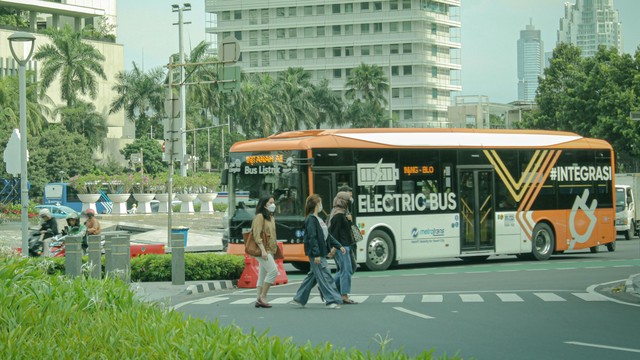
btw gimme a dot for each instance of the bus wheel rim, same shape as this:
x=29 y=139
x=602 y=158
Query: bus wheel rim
x=378 y=251
x=543 y=242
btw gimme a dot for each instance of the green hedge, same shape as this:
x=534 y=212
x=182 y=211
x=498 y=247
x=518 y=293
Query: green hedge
x=55 y=317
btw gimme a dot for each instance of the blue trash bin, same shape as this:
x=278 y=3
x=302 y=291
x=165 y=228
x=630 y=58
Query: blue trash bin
x=181 y=230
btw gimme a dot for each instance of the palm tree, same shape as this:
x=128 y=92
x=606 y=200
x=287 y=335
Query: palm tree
x=255 y=107
x=367 y=83
x=328 y=104
x=76 y=62
x=37 y=110
x=140 y=94
x=83 y=119
x=293 y=94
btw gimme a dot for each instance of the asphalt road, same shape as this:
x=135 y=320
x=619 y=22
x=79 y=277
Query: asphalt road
x=501 y=309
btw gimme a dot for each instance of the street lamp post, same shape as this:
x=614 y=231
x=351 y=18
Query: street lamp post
x=21 y=44
x=183 y=111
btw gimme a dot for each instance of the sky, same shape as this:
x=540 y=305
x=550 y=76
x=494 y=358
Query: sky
x=489 y=35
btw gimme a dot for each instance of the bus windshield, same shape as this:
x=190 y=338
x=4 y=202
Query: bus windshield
x=268 y=173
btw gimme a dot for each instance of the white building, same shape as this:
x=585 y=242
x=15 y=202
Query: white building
x=416 y=41
x=76 y=13
x=589 y=24
x=530 y=62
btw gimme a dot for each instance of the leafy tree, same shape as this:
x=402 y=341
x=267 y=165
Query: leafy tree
x=328 y=104
x=367 y=83
x=141 y=95
x=83 y=119
x=151 y=153
x=37 y=111
x=292 y=94
x=77 y=63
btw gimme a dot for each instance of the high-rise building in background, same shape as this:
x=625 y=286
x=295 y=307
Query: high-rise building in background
x=416 y=42
x=530 y=62
x=589 y=24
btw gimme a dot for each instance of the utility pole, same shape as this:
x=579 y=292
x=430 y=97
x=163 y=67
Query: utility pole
x=183 y=106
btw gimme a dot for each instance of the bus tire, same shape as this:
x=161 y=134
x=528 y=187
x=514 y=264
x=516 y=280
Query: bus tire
x=543 y=242
x=611 y=247
x=594 y=249
x=301 y=266
x=380 y=251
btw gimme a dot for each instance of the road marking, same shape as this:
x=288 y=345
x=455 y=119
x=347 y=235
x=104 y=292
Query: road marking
x=549 y=297
x=510 y=298
x=281 y=300
x=602 y=346
x=244 y=301
x=432 y=298
x=471 y=298
x=393 y=299
x=591 y=297
x=315 y=300
x=358 y=298
x=210 y=300
x=424 y=316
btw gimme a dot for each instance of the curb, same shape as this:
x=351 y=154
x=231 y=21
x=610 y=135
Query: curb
x=632 y=285
x=211 y=286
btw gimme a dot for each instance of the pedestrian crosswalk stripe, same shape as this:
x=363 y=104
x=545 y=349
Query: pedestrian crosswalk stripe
x=358 y=298
x=591 y=297
x=393 y=299
x=210 y=300
x=432 y=298
x=471 y=298
x=280 y=300
x=510 y=298
x=315 y=300
x=244 y=301
x=549 y=297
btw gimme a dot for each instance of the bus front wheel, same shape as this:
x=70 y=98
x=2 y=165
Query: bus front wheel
x=543 y=242
x=380 y=251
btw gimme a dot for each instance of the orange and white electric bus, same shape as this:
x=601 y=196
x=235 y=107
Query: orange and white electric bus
x=433 y=193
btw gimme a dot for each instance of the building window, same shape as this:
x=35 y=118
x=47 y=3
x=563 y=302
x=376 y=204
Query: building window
x=406 y=26
x=407 y=70
x=226 y=34
x=347 y=73
x=377 y=5
x=320 y=52
x=348 y=29
x=308 y=10
x=470 y=121
x=394 y=49
x=434 y=115
x=395 y=70
x=253 y=17
x=364 y=28
x=434 y=50
x=364 y=6
x=408 y=115
x=265 y=16
x=406 y=48
x=238 y=35
x=337 y=52
x=280 y=12
x=335 y=9
x=406 y=4
x=377 y=28
x=265 y=58
x=320 y=31
x=377 y=49
x=320 y=10
x=393 y=4
x=365 y=50
x=226 y=15
x=265 y=37
x=281 y=55
x=434 y=93
x=335 y=30
x=308 y=53
x=407 y=92
x=434 y=28
x=348 y=8
x=293 y=32
x=253 y=37
x=308 y=32
x=237 y=14
x=337 y=73
x=393 y=26
x=348 y=51
x=292 y=11
x=253 y=59
x=293 y=54
x=280 y=33
x=434 y=72
x=395 y=93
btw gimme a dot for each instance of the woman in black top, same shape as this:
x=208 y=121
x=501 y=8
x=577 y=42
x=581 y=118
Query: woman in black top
x=340 y=228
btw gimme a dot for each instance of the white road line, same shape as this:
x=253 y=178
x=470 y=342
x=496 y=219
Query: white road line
x=602 y=346
x=591 y=297
x=510 y=298
x=432 y=298
x=424 y=316
x=471 y=298
x=622 y=266
x=243 y=301
x=210 y=300
x=315 y=300
x=549 y=297
x=280 y=300
x=393 y=299
x=359 y=298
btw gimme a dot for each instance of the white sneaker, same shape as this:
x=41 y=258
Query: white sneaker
x=333 y=306
x=294 y=302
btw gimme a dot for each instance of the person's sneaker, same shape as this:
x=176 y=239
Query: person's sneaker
x=296 y=303
x=333 y=306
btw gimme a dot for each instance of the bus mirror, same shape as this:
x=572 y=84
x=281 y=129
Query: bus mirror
x=224 y=178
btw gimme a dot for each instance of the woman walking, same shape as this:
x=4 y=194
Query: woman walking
x=316 y=243
x=268 y=270
x=340 y=229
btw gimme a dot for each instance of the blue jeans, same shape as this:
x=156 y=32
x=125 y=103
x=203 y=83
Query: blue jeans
x=343 y=277
x=321 y=276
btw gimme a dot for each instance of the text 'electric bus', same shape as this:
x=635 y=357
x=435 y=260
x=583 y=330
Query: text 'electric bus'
x=433 y=193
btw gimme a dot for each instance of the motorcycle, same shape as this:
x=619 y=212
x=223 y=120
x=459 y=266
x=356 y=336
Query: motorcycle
x=36 y=244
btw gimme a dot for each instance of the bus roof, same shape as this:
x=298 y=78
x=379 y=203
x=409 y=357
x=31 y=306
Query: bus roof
x=419 y=138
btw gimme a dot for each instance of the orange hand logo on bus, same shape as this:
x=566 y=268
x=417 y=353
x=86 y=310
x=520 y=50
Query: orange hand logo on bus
x=581 y=227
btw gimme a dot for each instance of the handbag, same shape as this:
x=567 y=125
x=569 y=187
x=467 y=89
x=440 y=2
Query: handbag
x=250 y=245
x=278 y=255
x=356 y=235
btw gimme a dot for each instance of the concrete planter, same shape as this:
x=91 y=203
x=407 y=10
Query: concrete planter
x=163 y=199
x=88 y=201
x=187 y=202
x=207 y=202
x=119 y=203
x=144 y=202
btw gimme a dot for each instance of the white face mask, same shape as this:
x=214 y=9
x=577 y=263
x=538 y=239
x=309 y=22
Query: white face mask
x=319 y=207
x=271 y=207
x=350 y=200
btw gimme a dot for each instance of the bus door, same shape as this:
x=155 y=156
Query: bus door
x=326 y=184
x=476 y=194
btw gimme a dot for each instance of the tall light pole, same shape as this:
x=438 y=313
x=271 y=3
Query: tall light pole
x=183 y=106
x=21 y=44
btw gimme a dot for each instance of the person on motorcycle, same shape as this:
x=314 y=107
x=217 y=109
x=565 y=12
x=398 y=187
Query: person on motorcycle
x=92 y=224
x=49 y=225
x=74 y=228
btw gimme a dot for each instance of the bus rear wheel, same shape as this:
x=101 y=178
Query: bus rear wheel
x=611 y=247
x=543 y=242
x=380 y=251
